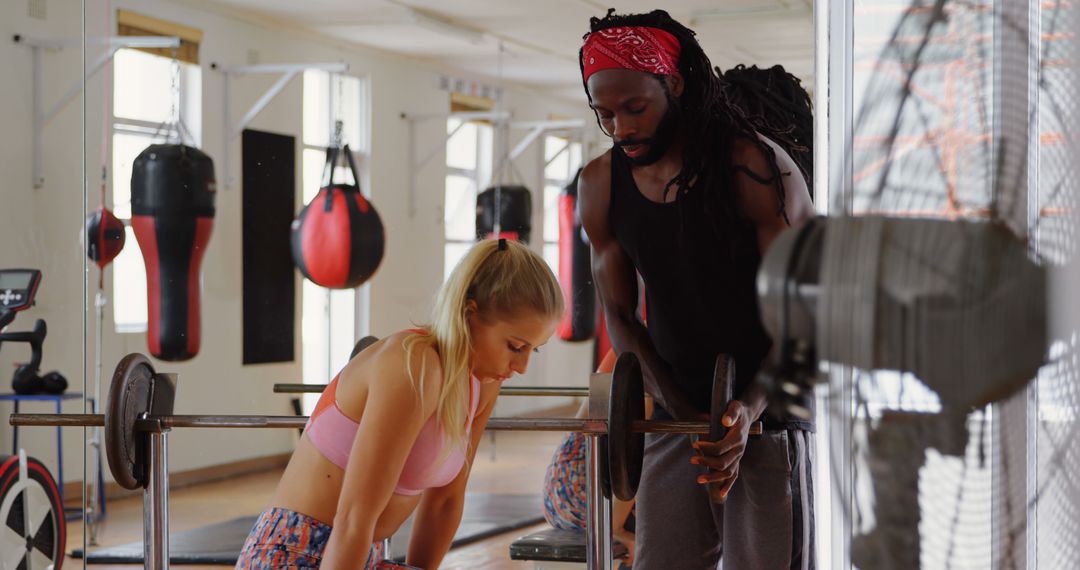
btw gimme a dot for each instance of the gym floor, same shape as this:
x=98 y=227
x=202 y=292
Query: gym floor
x=513 y=464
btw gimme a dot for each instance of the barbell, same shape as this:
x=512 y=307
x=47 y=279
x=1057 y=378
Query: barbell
x=572 y=391
x=140 y=401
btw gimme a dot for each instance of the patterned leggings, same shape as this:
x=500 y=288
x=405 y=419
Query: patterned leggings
x=565 y=501
x=286 y=539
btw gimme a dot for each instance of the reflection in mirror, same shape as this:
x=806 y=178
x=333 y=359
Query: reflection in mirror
x=45 y=277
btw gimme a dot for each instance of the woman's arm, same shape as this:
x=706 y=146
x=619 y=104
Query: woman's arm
x=391 y=421
x=439 y=514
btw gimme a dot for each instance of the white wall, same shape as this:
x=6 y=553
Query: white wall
x=41 y=228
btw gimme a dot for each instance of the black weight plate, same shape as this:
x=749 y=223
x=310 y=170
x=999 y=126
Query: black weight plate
x=362 y=344
x=723 y=384
x=626 y=449
x=33 y=531
x=129 y=398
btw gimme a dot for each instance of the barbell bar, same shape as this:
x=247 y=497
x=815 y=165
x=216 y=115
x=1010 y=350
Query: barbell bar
x=155 y=423
x=363 y=343
x=572 y=391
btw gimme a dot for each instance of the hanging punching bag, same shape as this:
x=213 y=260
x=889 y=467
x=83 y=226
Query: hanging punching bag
x=105 y=236
x=575 y=272
x=338 y=239
x=515 y=209
x=172 y=213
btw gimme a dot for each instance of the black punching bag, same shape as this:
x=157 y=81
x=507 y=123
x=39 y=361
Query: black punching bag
x=575 y=272
x=172 y=213
x=515 y=208
x=338 y=239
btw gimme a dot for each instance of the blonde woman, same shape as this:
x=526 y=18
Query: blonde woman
x=396 y=431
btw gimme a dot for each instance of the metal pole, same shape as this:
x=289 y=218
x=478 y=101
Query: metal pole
x=91 y=513
x=226 y=125
x=38 y=158
x=411 y=153
x=156 y=505
x=543 y=391
x=598 y=521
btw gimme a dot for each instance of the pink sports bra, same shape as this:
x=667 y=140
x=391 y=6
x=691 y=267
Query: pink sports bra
x=333 y=433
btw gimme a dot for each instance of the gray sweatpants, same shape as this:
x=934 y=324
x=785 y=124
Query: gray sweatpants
x=766 y=523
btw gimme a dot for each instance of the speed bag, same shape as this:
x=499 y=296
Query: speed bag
x=515 y=213
x=172 y=213
x=338 y=239
x=105 y=236
x=578 y=321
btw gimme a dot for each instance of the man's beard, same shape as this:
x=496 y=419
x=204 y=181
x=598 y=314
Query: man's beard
x=660 y=142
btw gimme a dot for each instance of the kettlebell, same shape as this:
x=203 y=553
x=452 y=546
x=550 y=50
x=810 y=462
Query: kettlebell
x=26 y=380
x=54 y=383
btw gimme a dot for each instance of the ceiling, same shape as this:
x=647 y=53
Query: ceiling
x=540 y=38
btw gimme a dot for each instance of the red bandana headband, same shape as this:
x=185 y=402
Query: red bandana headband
x=637 y=48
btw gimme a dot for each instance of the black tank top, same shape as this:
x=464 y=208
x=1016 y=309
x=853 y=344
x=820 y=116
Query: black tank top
x=700 y=293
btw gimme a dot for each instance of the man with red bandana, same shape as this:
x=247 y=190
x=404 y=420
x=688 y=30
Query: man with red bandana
x=690 y=197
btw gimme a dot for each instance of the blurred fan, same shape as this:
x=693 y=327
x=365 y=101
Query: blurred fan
x=934 y=305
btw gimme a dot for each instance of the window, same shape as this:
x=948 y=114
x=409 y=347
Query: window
x=468 y=165
x=149 y=93
x=330 y=317
x=562 y=158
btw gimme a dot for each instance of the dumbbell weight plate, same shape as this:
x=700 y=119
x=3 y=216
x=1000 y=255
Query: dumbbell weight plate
x=626 y=448
x=723 y=384
x=129 y=398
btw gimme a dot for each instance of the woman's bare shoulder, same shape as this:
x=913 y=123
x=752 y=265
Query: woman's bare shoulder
x=382 y=366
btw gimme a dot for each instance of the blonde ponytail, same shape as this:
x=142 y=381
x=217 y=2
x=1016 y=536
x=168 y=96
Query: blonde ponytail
x=503 y=282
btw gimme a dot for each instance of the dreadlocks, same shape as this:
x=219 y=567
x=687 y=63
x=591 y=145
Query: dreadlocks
x=718 y=109
x=775 y=101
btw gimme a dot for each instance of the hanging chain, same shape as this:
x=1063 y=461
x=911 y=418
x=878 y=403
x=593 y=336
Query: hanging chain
x=174 y=113
x=337 y=138
x=340 y=114
x=503 y=134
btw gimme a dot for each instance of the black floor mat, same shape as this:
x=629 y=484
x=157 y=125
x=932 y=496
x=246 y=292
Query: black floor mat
x=485 y=515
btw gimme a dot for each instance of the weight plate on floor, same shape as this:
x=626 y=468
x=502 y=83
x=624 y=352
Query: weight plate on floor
x=626 y=449
x=129 y=398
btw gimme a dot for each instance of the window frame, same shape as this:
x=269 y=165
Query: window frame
x=479 y=175
x=568 y=145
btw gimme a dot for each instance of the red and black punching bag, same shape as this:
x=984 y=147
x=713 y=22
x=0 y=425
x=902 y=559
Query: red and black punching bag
x=105 y=236
x=515 y=213
x=338 y=239
x=575 y=272
x=172 y=213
